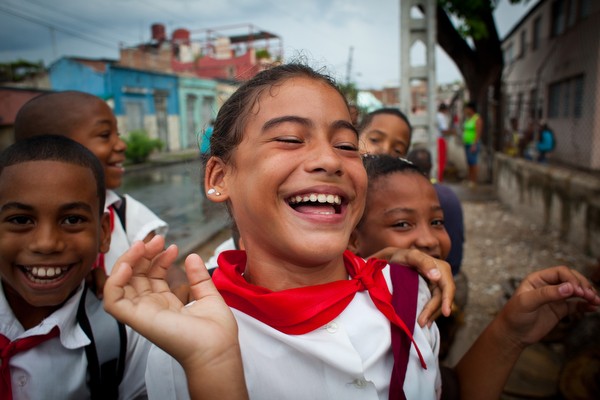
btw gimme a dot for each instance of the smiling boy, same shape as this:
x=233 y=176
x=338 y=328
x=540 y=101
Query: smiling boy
x=52 y=226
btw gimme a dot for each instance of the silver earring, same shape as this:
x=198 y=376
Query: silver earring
x=212 y=191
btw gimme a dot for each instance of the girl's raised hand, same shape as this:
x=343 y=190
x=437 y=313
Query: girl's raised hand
x=201 y=336
x=542 y=299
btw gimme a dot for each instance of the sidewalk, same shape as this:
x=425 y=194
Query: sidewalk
x=502 y=247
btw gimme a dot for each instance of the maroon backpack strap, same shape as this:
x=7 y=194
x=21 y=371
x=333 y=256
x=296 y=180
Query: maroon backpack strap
x=405 y=284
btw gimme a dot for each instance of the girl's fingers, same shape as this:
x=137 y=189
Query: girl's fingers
x=161 y=263
x=201 y=285
x=115 y=291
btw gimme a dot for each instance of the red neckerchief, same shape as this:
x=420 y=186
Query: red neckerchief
x=9 y=349
x=301 y=310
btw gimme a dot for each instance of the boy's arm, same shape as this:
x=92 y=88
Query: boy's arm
x=138 y=295
x=542 y=299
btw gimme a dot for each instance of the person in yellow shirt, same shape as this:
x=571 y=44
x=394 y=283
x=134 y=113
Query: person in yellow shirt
x=472 y=130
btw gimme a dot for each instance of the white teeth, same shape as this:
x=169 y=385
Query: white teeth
x=317 y=197
x=45 y=272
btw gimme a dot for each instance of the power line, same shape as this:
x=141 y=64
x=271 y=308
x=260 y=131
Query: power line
x=63 y=13
x=66 y=31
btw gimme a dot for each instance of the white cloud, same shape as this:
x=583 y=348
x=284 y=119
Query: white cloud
x=321 y=30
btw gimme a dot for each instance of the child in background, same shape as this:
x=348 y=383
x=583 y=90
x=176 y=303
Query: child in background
x=402 y=210
x=88 y=120
x=388 y=131
x=385 y=131
x=52 y=227
x=288 y=166
x=454 y=226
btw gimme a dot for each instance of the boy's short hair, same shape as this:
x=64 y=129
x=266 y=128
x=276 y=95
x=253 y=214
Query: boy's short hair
x=51 y=113
x=366 y=121
x=421 y=157
x=55 y=148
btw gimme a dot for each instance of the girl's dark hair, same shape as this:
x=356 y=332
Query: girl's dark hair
x=381 y=165
x=366 y=121
x=472 y=105
x=229 y=125
x=55 y=148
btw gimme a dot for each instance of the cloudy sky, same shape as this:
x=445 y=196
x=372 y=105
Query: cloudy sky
x=320 y=30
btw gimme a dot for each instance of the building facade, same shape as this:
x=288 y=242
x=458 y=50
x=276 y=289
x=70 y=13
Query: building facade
x=141 y=100
x=551 y=74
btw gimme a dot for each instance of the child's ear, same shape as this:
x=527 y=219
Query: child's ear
x=353 y=243
x=215 y=182
x=105 y=232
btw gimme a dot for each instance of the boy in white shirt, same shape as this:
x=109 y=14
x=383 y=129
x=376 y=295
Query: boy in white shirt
x=52 y=228
x=89 y=120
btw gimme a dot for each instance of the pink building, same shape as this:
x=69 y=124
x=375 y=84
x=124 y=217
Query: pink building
x=235 y=52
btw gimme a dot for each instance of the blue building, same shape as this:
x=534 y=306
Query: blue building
x=198 y=106
x=141 y=100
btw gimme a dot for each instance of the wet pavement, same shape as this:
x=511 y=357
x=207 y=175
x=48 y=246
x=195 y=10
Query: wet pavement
x=501 y=247
x=172 y=191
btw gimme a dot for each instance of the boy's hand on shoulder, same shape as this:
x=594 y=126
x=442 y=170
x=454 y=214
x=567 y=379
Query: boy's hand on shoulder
x=542 y=299
x=436 y=272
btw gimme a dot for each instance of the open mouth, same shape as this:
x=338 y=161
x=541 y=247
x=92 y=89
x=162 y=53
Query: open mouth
x=316 y=203
x=43 y=273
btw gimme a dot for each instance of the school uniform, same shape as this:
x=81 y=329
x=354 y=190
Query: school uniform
x=348 y=358
x=57 y=368
x=140 y=221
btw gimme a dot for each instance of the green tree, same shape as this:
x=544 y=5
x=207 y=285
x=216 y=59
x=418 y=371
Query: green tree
x=350 y=91
x=474 y=46
x=17 y=71
x=140 y=146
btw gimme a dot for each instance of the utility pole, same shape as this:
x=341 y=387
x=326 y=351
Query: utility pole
x=422 y=29
x=349 y=66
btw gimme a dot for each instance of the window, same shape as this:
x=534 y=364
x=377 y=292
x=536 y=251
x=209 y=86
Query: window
x=558 y=18
x=554 y=100
x=134 y=111
x=577 y=96
x=565 y=98
x=523 y=43
x=585 y=8
x=508 y=54
x=537 y=30
x=190 y=115
x=572 y=17
x=533 y=103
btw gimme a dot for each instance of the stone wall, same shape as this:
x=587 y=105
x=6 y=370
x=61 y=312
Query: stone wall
x=558 y=198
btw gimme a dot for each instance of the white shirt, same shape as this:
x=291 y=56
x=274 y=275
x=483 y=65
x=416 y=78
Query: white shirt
x=226 y=245
x=57 y=368
x=349 y=358
x=442 y=123
x=140 y=221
